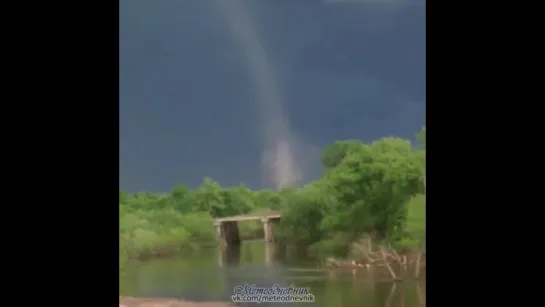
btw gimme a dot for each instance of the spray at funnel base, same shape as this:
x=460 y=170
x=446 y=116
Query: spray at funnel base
x=280 y=164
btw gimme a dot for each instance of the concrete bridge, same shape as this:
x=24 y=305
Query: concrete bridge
x=227 y=227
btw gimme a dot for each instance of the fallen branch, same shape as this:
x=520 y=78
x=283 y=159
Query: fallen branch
x=398 y=264
x=390 y=297
x=417 y=266
x=384 y=257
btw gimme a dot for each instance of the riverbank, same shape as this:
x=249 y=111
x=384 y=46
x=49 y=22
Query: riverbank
x=166 y=302
x=146 y=235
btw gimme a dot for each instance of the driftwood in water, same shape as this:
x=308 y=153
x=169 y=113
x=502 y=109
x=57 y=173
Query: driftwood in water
x=386 y=256
x=338 y=263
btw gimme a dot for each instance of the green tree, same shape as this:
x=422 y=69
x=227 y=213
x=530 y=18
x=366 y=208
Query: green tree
x=336 y=152
x=180 y=199
x=210 y=198
x=376 y=188
x=124 y=197
x=372 y=185
x=421 y=136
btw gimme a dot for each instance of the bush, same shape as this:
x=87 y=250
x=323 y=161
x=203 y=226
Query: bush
x=376 y=188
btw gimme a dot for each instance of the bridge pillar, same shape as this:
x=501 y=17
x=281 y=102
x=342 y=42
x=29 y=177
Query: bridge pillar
x=221 y=254
x=227 y=232
x=232 y=236
x=268 y=228
x=220 y=233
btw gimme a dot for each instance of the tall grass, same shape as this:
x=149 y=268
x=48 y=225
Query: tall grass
x=146 y=234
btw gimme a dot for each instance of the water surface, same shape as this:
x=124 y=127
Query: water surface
x=207 y=276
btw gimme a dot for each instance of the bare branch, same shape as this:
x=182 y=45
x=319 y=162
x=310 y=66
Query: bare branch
x=390 y=297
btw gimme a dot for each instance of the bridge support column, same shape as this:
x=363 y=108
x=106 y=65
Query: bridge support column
x=268 y=228
x=220 y=233
x=232 y=235
x=227 y=232
x=222 y=250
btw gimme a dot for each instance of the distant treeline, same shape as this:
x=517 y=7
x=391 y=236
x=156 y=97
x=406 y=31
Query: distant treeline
x=376 y=189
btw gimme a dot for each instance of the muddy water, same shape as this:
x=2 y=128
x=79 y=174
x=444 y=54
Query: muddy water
x=212 y=275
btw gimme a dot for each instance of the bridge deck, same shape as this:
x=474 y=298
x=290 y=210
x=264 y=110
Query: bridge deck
x=239 y=218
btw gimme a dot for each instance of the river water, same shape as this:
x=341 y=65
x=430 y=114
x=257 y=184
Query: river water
x=212 y=274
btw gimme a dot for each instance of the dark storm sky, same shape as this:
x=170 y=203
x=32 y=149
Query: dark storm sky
x=347 y=69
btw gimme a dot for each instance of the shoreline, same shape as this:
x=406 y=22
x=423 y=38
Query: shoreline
x=127 y=301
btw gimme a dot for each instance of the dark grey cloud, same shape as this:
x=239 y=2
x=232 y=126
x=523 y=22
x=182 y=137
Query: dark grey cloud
x=188 y=101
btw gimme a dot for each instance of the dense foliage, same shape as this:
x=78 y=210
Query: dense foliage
x=376 y=188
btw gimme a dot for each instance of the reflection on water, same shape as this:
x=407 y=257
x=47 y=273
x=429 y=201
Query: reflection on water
x=213 y=273
x=229 y=257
